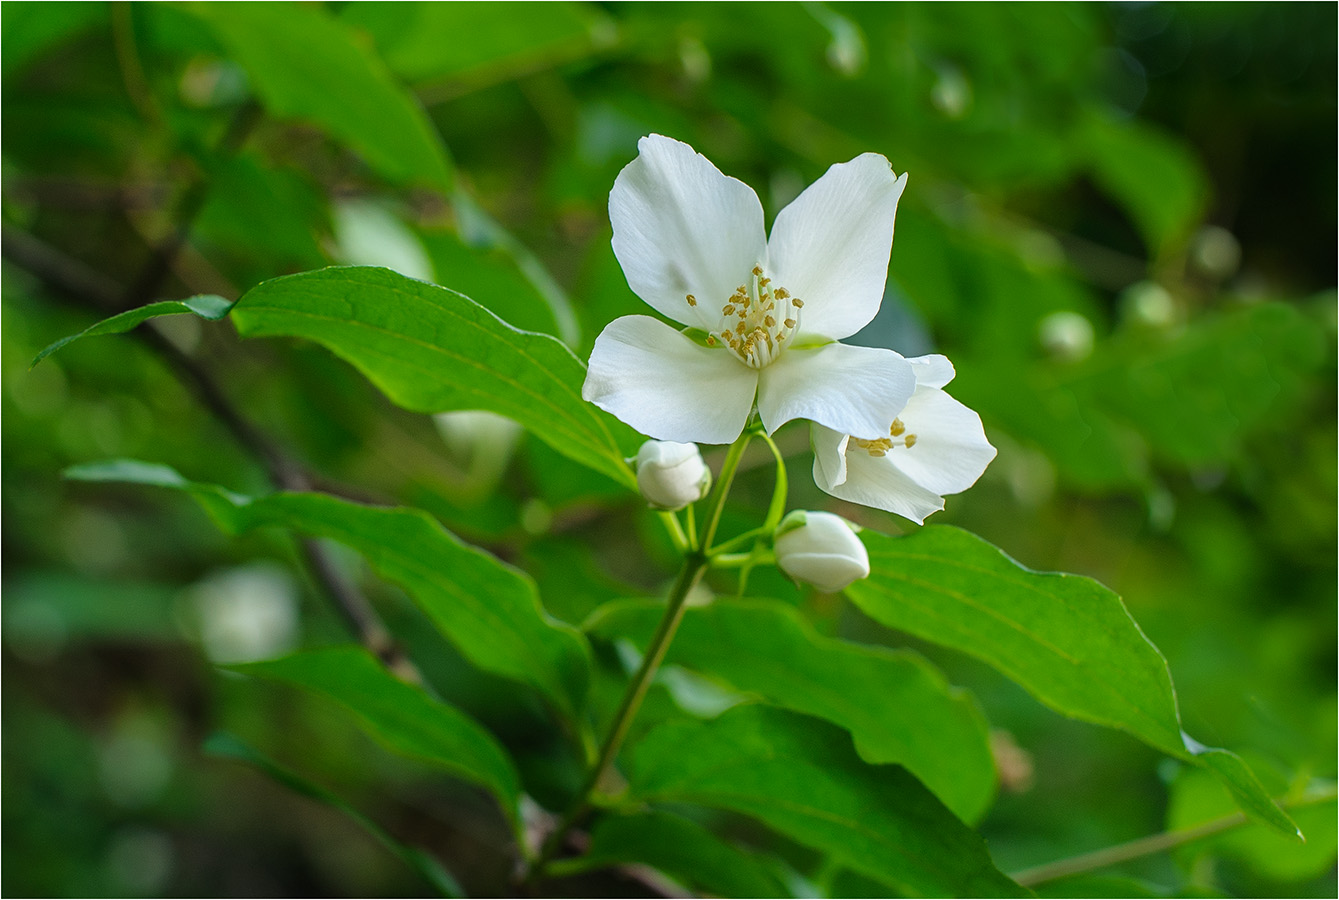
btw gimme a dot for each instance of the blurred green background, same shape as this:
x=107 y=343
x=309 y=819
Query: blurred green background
x=1119 y=225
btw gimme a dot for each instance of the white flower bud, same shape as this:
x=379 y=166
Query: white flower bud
x=671 y=475
x=821 y=549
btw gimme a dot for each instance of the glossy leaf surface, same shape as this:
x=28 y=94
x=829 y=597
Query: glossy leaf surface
x=897 y=706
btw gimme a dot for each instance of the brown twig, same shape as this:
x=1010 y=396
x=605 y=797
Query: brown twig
x=78 y=282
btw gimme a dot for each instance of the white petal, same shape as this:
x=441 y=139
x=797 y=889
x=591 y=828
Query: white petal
x=854 y=390
x=932 y=371
x=667 y=387
x=681 y=227
x=830 y=246
x=875 y=481
x=829 y=456
x=951 y=450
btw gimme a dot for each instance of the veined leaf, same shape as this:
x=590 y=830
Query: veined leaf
x=400 y=716
x=490 y=610
x=206 y=306
x=679 y=847
x=431 y=349
x=307 y=65
x=1066 y=639
x=897 y=706
x=224 y=746
x=801 y=777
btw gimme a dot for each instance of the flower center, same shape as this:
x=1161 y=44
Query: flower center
x=756 y=320
x=880 y=446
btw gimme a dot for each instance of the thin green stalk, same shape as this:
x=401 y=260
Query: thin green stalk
x=728 y=468
x=695 y=564
x=1147 y=846
x=682 y=542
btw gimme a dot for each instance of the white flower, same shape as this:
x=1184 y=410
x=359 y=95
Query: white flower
x=821 y=549
x=935 y=446
x=692 y=245
x=671 y=475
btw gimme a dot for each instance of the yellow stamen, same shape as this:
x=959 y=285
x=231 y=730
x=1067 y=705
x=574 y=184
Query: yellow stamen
x=692 y=301
x=911 y=441
x=896 y=428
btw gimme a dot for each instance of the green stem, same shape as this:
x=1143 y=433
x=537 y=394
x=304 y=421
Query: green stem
x=695 y=564
x=1146 y=846
x=728 y=468
x=682 y=542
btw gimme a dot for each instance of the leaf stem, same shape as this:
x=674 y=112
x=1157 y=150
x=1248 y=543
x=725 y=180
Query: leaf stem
x=1147 y=846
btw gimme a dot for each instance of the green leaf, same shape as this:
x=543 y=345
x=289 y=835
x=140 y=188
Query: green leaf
x=206 y=306
x=1066 y=639
x=33 y=28
x=423 y=40
x=1154 y=176
x=1196 y=798
x=801 y=777
x=221 y=745
x=490 y=610
x=308 y=66
x=897 y=706
x=679 y=847
x=431 y=349
x=401 y=716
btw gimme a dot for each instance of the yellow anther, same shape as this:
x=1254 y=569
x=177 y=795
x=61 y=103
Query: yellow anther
x=742 y=290
x=757 y=270
x=769 y=322
x=896 y=428
x=711 y=341
x=763 y=282
x=874 y=451
x=790 y=323
x=728 y=310
x=782 y=293
x=799 y=304
x=911 y=441
x=692 y=301
x=780 y=338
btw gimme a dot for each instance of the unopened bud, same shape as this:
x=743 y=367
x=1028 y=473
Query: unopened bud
x=671 y=475
x=821 y=549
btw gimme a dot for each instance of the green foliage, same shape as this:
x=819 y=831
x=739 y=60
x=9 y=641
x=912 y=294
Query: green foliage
x=400 y=716
x=225 y=746
x=802 y=778
x=682 y=849
x=206 y=306
x=488 y=609
x=1144 y=323
x=1066 y=639
x=305 y=64
x=897 y=707
x=431 y=349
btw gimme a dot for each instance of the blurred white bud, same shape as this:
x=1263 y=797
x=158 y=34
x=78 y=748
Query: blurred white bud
x=1148 y=303
x=480 y=443
x=1215 y=252
x=247 y=613
x=1066 y=335
x=367 y=234
x=671 y=475
x=821 y=549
